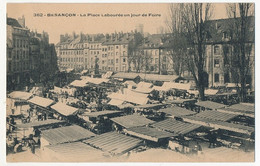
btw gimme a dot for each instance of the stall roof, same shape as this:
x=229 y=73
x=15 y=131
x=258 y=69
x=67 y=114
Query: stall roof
x=101 y=113
x=132 y=121
x=47 y=122
x=219 y=124
x=215 y=115
x=64 y=109
x=126 y=105
x=150 y=105
x=20 y=95
x=144 y=87
x=96 y=81
x=66 y=134
x=143 y=90
x=40 y=101
x=181 y=101
x=76 y=150
x=79 y=83
x=158 y=88
x=114 y=142
x=173 y=85
x=125 y=75
x=243 y=107
x=177 y=111
x=237 y=112
x=210 y=105
x=148 y=133
x=115 y=102
x=157 y=77
x=130 y=96
x=175 y=126
x=132 y=83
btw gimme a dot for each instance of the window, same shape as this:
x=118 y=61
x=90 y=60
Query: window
x=216 y=76
x=225 y=35
x=217 y=50
x=123 y=59
x=216 y=63
x=116 y=60
x=116 y=47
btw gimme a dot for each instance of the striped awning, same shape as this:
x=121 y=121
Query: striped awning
x=175 y=126
x=148 y=133
x=114 y=142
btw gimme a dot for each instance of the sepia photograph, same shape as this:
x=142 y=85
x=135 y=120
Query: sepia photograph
x=130 y=82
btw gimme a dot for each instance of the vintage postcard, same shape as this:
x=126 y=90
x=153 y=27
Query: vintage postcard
x=130 y=82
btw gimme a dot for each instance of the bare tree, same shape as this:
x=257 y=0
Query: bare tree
x=194 y=17
x=133 y=51
x=242 y=40
x=177 y=46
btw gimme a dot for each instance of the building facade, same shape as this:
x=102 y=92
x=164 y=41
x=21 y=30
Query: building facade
x=29 y=55
x=221 y=62
x=18 y=60
x=111 y=52
x=107 y=53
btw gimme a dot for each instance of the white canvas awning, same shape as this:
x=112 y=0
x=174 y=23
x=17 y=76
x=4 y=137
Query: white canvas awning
x=96 y=81
x=64 y=109
x=20 y=95
x=40 y=101
x=130 y=96
x=116 y=102
x=173 y=85
x=79 y=83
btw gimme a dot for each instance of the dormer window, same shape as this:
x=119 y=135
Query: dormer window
x=225 y=35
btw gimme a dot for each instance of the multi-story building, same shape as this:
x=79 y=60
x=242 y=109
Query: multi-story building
x=71 y=52
x=221 y=63
x=29 y=54
x=154 y=55
x=18 y=66
x=117 y=51
x=108 y=52
x=43 y=59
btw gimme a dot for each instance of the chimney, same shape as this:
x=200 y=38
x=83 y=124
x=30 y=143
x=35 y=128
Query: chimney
x=117 y=37
x=73 y=34
x=21 y=21
x=62 y=38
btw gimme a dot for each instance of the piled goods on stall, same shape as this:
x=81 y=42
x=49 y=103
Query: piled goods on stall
x=98 y=121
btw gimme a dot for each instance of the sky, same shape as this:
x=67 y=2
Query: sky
x=95 y=24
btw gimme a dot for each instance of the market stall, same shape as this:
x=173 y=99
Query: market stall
x=114 y=143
